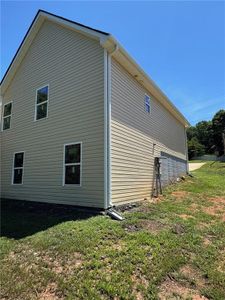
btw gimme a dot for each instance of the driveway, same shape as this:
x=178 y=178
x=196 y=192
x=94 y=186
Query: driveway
x=195 y=166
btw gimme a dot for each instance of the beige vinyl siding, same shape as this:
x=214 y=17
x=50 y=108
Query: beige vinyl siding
x=133 y=135
x=73 y=66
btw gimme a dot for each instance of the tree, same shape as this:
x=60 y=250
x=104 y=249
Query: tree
x=191 y=132
x=208 y=136
x=204 y=134
x=195 y=148
x=218 y=127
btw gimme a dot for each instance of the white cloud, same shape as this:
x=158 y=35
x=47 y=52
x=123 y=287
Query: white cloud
x=196 y=107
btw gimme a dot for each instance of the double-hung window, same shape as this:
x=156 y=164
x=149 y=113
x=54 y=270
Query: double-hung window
x=41 y=105
x=18 y=162
x=7 y=115
x=147 y=104
x=72 y=164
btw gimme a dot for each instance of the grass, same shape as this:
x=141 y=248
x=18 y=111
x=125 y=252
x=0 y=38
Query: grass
x=173 y=248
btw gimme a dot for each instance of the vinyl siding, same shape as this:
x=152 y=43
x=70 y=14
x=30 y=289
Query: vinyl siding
x=133 y=135
x=73 y=66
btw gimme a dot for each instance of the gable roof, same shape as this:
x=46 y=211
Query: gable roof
x=106 y=40
x=36 y=24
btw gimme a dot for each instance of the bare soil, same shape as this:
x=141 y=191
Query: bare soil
x=153 y=226
x=50 y=293
x=216 y=208
x=138 y=280
x=179 y=194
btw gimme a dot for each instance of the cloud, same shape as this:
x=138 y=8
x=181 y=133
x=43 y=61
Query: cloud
x=196 y=107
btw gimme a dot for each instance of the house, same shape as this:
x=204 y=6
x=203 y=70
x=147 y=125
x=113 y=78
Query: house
x=82 y=123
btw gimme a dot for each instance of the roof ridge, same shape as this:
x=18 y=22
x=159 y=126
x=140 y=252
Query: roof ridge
x=69 y=20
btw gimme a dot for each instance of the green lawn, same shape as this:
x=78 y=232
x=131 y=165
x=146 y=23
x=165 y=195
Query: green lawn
x=173 y=248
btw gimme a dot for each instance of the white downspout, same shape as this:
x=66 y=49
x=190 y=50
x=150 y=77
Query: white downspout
x=109 y=196
x=186 y=148
x=106 y=171
x=107 y=128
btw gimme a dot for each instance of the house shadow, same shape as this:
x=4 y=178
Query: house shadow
x=20 y=219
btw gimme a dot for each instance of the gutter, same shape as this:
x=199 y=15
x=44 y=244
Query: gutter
x=109 y=102
x=186 y=149
x=107 y=127
x=106 y=169
x=110 y=43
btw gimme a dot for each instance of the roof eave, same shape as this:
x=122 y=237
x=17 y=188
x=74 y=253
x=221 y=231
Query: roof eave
x=122 y=56
x=40 y=17
x=107 y=41
x=21 y=51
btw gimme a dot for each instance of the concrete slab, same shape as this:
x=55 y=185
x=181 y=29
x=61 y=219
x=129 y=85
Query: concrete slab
x=195 y=166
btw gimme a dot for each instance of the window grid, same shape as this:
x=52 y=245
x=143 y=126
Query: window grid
x=41 y=103
x=72 y=164
x=7 y=116
x=147 y=104
x=17 y=168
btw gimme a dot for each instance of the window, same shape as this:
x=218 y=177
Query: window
x=72 y=164
x=147 y=104
x=7 y=114
x=41 y=106
x=18 y=168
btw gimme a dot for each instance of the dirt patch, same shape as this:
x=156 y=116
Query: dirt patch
x=50 y=293
x=153 y=226
x=203 y=226
x=194 y=207
x=216 y=208
x=171 y=289
x=138 y=281
x=133 y=207
x=218 y=200
x=132 y=228
x=157 y=199
x=207 y=242
x=186 y=217
x=65 y=265
x=193 y=276
x=179 y=194
x=28 y=260
x=178 y=229
x=221 y=262
x=118 y=246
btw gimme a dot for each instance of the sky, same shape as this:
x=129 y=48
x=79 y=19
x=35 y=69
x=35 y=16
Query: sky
x=179 y=44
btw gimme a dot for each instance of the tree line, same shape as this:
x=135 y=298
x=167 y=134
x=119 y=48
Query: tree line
x=207 y=137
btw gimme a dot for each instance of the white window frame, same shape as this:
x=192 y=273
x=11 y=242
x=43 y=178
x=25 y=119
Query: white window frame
x=72 y=164
x=37 y=104
x=149 y=105
x=6 y=116
x=16 y=168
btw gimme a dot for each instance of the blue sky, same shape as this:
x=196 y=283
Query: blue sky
x=180 y=44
